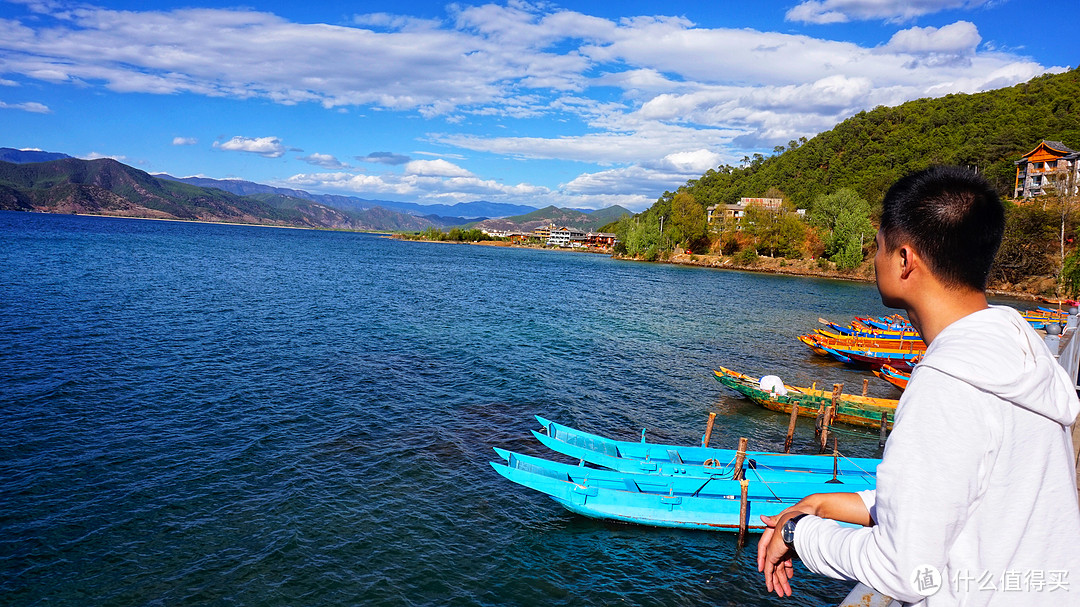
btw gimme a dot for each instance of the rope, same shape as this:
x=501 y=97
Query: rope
x=856 y=465
x=763 y=482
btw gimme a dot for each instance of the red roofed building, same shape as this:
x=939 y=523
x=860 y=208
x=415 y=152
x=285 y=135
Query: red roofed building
x=1049 y=162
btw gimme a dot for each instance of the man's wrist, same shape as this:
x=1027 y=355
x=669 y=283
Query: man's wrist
x=787 y=533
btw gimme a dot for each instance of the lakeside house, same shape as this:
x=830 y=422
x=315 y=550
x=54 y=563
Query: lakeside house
x=514 y=236
x=558 y=237
x=738 y=210
x=1051 y=163
x=565 y=237
x=600 y=240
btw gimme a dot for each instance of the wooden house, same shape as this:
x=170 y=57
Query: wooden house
x=1051 y=163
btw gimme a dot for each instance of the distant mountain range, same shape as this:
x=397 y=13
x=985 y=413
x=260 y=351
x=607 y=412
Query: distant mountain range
x=588 y=221
x=32 y=180
x=24 y=156
x=467 y=211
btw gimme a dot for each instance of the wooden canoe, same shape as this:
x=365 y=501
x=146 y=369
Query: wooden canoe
x=893 y=375
x=698 y=462
x=864 y=411
x=659 y=501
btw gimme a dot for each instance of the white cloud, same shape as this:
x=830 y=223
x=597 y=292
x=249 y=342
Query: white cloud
x=326 y=161
x=97 y=156
x=270 y=147
x=435 y=168
x=29 y=106
x=842 y=11
x=184 y=141
x=650 y=99
x=948 y=45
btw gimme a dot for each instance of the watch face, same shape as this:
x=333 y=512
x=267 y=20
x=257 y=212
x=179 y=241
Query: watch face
x=788 y=532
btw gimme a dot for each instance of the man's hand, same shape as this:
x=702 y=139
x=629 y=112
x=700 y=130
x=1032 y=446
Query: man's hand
x=774 y=558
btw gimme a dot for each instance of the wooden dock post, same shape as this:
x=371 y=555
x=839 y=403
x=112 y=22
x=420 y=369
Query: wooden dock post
x=830 y=411
x=743 y=514
x=708 y=430
x=865 y=386
x=826 y=422
x=791 y=427
x=740 y=455
x=881 y=436
x=835 y=463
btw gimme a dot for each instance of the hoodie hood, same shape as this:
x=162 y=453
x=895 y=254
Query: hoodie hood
x=997 y=351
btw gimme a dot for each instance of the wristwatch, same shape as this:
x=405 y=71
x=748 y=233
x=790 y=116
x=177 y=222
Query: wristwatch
x=787 y=533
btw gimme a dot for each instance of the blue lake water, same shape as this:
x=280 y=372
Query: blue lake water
x=230 y=415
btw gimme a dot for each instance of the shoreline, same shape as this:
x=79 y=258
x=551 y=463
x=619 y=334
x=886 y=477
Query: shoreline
x=764 y=265
x=807 y=268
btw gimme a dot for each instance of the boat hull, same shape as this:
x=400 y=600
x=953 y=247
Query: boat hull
x=655 y=500
x=703 y=462
x=852 y=410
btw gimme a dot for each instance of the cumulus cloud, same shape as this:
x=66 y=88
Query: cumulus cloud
x=650 y=100
x=937 y=45
x=184 y=141
x=29 y=106
x=384 y=158
x=269 y=147
x=327 y=161
x=97 y=156
x=435 y=168
x=843 y=11
x=422 y=186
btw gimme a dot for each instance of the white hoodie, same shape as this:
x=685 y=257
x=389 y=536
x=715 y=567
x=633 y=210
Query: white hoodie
x=977 y=481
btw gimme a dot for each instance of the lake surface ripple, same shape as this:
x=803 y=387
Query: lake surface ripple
x=226 y=415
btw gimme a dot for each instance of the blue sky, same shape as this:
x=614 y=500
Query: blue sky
x=577 y=104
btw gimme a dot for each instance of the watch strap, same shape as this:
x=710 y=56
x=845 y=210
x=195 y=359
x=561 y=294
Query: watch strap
x=793 y=521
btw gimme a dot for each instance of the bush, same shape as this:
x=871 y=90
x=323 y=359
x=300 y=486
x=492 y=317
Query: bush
x=1070 y=274
x=746 y=257
x=823 y=264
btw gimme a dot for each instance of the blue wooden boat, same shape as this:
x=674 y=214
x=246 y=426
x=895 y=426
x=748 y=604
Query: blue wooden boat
x=703 y=462
x=660 y=501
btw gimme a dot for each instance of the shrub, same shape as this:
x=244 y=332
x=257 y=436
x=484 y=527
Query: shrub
x=746 y=257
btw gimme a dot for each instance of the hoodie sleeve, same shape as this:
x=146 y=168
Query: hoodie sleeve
x=929 y=479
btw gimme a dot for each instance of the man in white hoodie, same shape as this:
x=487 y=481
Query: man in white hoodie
x=976 y=500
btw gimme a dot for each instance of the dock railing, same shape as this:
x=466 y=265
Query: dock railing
x=1069 y=358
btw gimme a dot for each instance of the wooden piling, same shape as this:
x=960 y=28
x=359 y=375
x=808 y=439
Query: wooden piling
x=819 y=421
x=826 y=422
x=743 y=514
x=830 y=411
x=708 y=430
x=791 y=427
x=865 y=386
x=835 y=463
x=740 y=456
x=881 y=435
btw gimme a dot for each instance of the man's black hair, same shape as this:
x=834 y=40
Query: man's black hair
x=952 y=217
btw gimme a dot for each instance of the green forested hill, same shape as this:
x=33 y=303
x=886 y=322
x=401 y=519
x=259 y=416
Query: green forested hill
x=870 y=150
x=840 y=177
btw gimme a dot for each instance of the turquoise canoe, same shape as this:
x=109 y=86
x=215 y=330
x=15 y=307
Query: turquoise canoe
x=659 y=501
x=702 y=462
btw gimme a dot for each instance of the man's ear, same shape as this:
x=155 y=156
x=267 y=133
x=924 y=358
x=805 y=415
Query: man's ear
x=908 y=260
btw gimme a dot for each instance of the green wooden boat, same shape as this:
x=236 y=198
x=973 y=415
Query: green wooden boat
x=864 y=411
